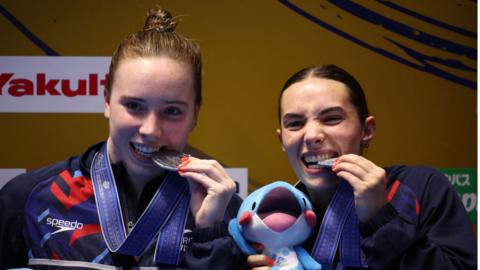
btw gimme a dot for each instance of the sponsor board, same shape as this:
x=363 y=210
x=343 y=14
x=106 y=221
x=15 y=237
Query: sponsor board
x=465 y=182
x=30 y=84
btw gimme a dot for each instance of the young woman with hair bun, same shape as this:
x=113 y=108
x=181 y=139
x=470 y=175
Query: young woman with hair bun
x=113 y=206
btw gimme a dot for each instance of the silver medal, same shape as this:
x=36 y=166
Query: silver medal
x=168 y=159
x=327 y=163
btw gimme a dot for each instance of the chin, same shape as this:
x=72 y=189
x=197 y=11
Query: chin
x=320 y=183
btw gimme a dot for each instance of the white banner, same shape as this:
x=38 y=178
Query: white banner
x=240 y=176
x=52 y=84
x=7 y=174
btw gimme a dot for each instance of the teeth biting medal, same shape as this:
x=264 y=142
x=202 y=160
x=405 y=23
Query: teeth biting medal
x=168 y=159
x=327 y=162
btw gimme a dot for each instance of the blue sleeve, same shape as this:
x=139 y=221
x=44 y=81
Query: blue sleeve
x=13 y=249
x=213 y=247
x=441 y=237
x=13 y=198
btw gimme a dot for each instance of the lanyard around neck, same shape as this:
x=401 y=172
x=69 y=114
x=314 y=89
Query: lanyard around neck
x=340 y=227
x=165 y=215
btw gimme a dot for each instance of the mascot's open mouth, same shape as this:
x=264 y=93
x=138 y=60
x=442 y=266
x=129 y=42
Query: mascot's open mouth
x=279 y=209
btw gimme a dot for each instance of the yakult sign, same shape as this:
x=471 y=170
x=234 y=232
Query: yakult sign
x=52 y=84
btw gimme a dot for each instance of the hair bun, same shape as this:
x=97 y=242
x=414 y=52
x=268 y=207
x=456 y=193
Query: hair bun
x=160 y=20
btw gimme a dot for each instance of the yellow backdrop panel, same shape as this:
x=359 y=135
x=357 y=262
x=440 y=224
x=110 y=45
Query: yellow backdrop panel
x=250 y=48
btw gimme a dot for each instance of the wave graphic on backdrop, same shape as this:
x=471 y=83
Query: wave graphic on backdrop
x=29 y=34
x=431 y=46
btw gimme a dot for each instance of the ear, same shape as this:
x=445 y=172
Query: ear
x=106 y=105
x=368 y=129
x=279 y=135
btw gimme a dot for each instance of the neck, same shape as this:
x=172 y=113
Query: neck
x=138 y=182
x=322 y=197
x=135 y=183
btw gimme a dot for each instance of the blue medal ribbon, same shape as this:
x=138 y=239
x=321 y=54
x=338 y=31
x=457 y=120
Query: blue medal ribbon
x=165 y=215
x=339 y=225
x=351 y=255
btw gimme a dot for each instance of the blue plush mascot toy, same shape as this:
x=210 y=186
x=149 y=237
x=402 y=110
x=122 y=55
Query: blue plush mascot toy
x=276 y=219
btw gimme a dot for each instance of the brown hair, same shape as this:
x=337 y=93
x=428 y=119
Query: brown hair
x=332 y=72
x=157 y=38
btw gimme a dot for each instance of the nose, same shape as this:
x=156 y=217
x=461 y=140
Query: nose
x=151 y=128
x=314 y=134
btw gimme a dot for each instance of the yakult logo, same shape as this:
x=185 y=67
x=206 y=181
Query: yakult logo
x=41 y=86
x=52 y=84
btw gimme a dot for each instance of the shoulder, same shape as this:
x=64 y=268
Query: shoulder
x=20 y=186
x=14 y=196
x=419 y=174
x=424 y=180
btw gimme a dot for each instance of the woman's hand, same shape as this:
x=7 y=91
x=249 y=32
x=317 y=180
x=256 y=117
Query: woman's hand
x=210 y=187
x=259 y=262
x=369 y=183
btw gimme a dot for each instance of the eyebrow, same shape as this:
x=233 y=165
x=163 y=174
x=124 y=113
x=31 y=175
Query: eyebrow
x=131 y=98
x=292 y=115
x=169 y=102
x=332 y=109
x=323 y=112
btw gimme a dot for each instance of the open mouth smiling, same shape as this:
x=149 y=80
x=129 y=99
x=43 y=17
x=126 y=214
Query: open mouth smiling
x=144 y=150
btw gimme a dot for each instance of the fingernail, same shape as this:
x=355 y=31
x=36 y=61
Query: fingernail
x=270 y=262
x=335 y=163
x=184 y=163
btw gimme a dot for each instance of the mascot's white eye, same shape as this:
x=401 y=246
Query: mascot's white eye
x=253 y=205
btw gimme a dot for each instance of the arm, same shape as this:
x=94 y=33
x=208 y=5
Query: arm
x=13 y=249
x=440 y=239
x=213 y=248
x=211 y=192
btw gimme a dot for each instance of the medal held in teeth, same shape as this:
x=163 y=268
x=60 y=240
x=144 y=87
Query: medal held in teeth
x=168 y=159
x=327 y=162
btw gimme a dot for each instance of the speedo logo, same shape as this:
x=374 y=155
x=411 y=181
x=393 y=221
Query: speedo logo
x=64 y=225
x=41 y=86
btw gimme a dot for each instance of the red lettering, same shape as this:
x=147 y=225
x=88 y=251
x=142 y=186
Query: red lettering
x=4 y=77
x=69 y=92
x=20 y=87
x=93 y=84
x=104 y=81
x=24 y=87
x=49 y=87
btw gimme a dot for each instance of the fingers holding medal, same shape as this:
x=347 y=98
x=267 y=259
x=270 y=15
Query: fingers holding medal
x=210 y=186
x=368 y=181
